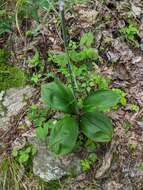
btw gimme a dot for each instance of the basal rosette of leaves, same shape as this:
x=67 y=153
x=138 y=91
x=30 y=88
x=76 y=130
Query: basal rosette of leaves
x=86 y=117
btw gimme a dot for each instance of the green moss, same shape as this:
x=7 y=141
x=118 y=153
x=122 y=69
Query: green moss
x=10 y=76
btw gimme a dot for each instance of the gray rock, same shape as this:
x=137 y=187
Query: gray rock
x=11 y=103
x=136 y=10
x=113 y=57
x=49 y=167
x=136 y=59
x=141 y=46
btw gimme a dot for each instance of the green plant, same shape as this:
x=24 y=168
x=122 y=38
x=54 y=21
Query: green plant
x=84 y=66
x=87 y=163
x=35 y=78
x=101 y=82
x=24 y=155
x=38 y=67
x=39 y=116
x=122 y=94
x=10 y=76
x=134 y=108
x=84 y=55
x=130 y=33
x=87 y=39
x=6 y=20
x=35 y=59
x=85 y=117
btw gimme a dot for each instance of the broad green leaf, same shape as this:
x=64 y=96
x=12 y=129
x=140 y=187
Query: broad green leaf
x=63 y=136
x=87 y=39
x=59 y=97
x=101 y=100
x=97 y=126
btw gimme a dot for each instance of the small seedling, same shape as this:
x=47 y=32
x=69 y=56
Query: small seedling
x=86 y=165
x=24 y=155
x=36 y=78
x=38 y=116
x=130 y=33
x=122 y=94
x=36 y=64
x=134 y=108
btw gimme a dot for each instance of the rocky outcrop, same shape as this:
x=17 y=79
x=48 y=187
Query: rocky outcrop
x=50 y=167
x=11 y=102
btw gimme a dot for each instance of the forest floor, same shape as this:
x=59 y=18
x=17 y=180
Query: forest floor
x=120 y=166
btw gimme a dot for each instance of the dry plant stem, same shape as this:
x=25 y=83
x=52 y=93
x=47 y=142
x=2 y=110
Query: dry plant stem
x=69 y=65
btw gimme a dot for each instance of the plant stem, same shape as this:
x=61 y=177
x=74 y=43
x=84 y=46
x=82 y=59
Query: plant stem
x=69 y=65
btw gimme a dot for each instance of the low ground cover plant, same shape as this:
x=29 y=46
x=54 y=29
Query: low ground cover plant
x=10 y=76
x=84 y=60
x=131 y=34
x=24 y=155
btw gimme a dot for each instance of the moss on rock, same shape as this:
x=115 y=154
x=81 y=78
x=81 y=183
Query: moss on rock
x=10 y=76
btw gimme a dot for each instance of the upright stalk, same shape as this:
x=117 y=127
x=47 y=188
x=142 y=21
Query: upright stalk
x=69 y=65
